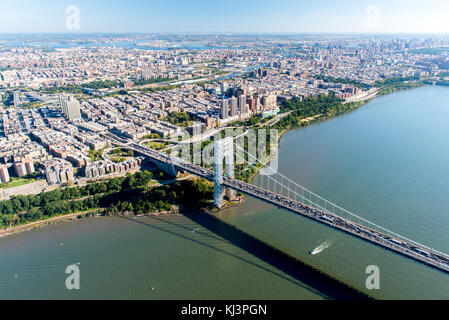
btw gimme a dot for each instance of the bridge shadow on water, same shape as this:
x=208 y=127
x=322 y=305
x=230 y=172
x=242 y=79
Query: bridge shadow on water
x=305 y=276
x=315 y=280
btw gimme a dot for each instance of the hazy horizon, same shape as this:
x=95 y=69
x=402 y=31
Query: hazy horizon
x=243 y=33
x=230 y=17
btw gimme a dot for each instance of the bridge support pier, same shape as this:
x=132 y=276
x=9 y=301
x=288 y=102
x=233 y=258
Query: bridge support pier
x=223 y=149
x=167 y=168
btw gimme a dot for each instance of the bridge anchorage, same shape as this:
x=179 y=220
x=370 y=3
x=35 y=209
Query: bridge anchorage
x=223 y=150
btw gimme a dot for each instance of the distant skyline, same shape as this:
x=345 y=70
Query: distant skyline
x=231 y=16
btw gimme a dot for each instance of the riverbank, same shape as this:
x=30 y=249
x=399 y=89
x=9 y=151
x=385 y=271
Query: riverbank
x=100 y=213
x=339 y=160
x=124 y=203
x=42 y=223
x=104 y=212
x=400 y=87
x=148 y=252
x=134 y=194
x=357 y=104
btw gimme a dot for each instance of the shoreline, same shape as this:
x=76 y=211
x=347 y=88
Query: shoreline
x=318 y=118
x=4 y=233
x=308 y=122
x=42 y=223
x=71 y=217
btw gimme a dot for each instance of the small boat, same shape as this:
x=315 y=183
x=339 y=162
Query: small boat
x=316 y=251
x=321 y=248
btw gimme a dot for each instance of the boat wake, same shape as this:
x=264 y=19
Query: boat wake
x=321 y=247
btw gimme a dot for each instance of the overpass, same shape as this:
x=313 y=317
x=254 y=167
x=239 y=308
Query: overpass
x=323 y=213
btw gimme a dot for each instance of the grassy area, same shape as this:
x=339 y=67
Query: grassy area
x=153 y=183
x=151 y=81
x=95 y=155
x=156 y=145
x=182 y=119
x=78 y=88
x=121 y=153
x=151 y=136
x=118 y=159
x=17 y=182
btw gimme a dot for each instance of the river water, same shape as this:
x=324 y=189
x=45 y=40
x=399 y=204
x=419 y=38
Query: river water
x=387 y=161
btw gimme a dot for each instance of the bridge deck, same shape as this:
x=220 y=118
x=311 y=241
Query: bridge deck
x=407 y=249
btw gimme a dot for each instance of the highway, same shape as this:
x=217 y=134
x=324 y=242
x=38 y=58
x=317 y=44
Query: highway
x=408 y=249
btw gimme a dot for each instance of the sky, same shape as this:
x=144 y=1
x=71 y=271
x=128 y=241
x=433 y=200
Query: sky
x=224 y=16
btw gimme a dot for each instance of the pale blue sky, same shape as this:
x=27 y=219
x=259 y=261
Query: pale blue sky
x=233 y=16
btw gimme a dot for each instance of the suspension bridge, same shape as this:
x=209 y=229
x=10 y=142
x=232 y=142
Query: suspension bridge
x=286 y=193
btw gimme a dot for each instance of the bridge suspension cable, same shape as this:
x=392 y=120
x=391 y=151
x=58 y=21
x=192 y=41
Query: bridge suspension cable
x=327 y=203
x=410 y=248
x=292 y=191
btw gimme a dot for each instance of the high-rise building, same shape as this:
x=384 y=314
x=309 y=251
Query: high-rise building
x=223 y=88
x=224 y=109
x=242 y=105
x=4 y=175
x=147 y=75
x=196 y=129
x=62 y=177
x=269 y=101
x=16 y=98
x=29 y=166
x=128 y=84
x=252 y=104
x=70 y=108
x=63 y=104
x=70 y=175
x=20 y=169
x=241 y=91
x=73 y=109
x=233 y=106
x=52 y=176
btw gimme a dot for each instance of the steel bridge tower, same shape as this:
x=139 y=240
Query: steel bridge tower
x=223 y=149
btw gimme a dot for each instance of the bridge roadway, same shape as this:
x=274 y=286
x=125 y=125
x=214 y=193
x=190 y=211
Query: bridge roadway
x=410 y=250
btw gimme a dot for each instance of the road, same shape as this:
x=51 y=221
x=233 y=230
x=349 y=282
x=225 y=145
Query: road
x=189 y=81
x=276 y=119
x=371 y=93
x=393 y=242
x=403 y=246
